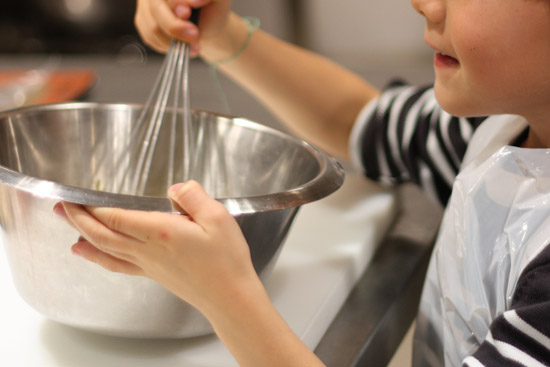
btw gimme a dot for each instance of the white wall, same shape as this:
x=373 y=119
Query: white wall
x=380 y=39
x=272 y=13
x=364 y=28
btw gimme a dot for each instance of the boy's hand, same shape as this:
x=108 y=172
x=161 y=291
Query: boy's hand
x=196 y=256
x=158 y=21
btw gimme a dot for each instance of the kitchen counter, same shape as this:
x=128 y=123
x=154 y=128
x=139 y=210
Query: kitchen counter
x=364 y=248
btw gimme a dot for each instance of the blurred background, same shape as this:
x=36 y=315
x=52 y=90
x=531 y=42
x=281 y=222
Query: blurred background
x=380 y=40
x=353 y=32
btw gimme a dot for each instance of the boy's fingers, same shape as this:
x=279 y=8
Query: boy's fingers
x=99 y=235
x=180 y=8
x=173 y=26
x=203 y=209
x=148 y=29
x=108 y=218
x=143 y=226
x=89 y=252
x=152 y=34
x=198 y=3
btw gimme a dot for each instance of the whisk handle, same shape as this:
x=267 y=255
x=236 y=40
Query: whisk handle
x=194 y=18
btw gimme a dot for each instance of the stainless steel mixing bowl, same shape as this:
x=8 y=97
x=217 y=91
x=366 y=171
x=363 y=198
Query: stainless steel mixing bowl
x=69 y=151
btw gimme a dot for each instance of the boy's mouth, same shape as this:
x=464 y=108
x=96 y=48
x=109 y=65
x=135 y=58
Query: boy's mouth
x=444 y=60
x=441 y=59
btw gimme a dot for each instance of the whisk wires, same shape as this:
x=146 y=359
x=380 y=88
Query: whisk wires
x=171 y=86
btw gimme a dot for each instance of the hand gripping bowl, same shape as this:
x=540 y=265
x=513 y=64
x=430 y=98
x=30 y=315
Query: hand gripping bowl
x=68 y=152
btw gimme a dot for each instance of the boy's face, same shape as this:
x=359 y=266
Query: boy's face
x=492 y=56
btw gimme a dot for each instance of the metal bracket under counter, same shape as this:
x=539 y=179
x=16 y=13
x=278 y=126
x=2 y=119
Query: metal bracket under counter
x=378 y=312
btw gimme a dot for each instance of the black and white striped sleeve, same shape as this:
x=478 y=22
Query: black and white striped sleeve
x=404 y=136
x=521 y=335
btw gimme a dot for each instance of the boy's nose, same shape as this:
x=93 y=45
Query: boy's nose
x=433 y=10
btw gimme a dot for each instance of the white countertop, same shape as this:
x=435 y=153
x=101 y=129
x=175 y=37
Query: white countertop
x=330 y=244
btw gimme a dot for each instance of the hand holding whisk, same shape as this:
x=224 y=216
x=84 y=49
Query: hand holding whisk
x=167 y=114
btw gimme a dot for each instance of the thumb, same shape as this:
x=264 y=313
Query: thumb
x=193 y=200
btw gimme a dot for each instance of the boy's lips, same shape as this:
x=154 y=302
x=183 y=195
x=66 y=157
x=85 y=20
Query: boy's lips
x=444 y=60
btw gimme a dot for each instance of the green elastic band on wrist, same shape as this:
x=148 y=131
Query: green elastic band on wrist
x=252 y=24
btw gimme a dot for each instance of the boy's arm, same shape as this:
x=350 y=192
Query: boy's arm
x=313 y=96
x=252 y=329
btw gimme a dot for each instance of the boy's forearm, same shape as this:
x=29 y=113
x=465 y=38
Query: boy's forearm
x=252 y=329
x=313 y=96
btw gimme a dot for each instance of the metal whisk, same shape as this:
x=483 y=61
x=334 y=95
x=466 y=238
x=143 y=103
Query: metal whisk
x=168 y=102
x=176 y=70
x=187 y=158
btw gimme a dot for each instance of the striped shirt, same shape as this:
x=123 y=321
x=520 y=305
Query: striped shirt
x=521 y=335
x=404 y=136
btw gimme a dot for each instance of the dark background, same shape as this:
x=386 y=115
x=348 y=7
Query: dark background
x=107 y=26
x=77 y=26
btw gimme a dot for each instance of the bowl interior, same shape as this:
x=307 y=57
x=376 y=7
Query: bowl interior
x=93 y=147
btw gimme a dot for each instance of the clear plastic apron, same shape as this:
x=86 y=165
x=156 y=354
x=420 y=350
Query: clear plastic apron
x=496 y=222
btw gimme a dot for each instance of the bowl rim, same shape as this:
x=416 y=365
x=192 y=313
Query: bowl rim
x=329 y=178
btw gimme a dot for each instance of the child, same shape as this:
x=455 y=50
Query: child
x=486 y=298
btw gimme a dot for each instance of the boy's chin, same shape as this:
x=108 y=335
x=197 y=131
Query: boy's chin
x=456 y=105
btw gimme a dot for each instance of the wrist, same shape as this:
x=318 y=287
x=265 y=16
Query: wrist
x=254 y=331
x=231 y=41
x=233 y=296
